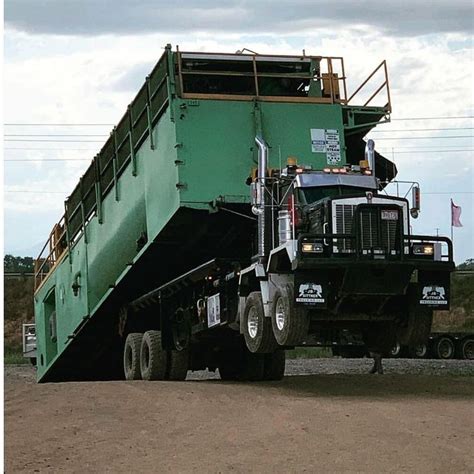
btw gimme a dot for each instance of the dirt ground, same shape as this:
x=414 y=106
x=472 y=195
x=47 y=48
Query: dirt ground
x=337 y=421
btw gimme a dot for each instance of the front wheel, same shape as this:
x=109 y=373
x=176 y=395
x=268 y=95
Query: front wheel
x=290 y=322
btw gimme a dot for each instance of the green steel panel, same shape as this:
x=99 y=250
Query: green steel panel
x=216 y=143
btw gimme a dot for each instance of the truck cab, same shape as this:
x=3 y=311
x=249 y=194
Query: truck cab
x=343 y=266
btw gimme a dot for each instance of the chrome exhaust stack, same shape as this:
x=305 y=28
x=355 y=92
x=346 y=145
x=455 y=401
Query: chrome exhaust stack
x=258 y=207
x=370 y=155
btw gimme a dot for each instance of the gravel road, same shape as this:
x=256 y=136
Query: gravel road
x=327 y=415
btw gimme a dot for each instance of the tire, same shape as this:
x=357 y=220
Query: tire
x=274 y=365
x=178 y=364
x=467 y=348
x=33 y=361
x=395 y=351
x=416 y=327
x=153 y=358
x=131 y=356
x=444 y=348
x=419 y=351
x=253 y=367
x=229 y=372
x=290 y=323
x=257 y=328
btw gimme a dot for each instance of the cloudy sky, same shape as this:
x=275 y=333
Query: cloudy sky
x=81 y=62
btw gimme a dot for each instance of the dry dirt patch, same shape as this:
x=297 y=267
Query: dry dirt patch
x=307 y=423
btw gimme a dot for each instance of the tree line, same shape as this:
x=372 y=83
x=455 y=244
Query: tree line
x=13 y=264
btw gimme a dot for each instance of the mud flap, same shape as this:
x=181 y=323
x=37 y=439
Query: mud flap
x=434 y=290
x=311 y=289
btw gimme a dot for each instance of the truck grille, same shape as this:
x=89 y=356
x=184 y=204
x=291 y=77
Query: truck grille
x=378 y=228
x=344 y=218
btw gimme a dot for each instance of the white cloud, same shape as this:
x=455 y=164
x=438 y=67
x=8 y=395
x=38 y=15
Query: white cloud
x=78 y=80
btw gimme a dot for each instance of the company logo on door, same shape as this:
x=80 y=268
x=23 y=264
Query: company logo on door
x=433 y=295
x=310 y=293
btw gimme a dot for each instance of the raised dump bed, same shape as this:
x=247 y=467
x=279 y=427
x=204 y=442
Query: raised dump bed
x=169 y=189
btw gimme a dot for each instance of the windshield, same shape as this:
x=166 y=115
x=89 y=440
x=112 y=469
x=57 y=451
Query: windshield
x=313 y=194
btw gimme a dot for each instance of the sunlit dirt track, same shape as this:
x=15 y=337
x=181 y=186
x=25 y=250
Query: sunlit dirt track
x=420 y=421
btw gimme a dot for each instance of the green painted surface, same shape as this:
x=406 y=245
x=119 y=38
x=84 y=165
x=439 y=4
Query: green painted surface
x=203 y=149
x=217 y=143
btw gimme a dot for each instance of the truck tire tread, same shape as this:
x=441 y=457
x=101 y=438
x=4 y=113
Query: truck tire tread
x=274 y=365
x=154 y=364
x=264 y=342
x=131 y=356
x=178 y=364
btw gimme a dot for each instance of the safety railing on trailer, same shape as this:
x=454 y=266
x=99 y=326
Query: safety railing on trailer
x=317 y=79
x=102 y=174
x=51 y=253
x=369 y=82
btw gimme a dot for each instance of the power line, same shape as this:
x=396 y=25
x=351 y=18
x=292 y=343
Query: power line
x=25 y=191
x=52 y=135
x=28 y=191
x=52 y=141
x=59 y=124
x=111 y=124
x=420 y=129
x=433 y=118
x=48 y=159
x=424 y=138
x=50 y=149
x=423 y=147
x=420 y=151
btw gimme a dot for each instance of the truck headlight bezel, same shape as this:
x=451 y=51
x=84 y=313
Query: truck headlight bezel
x=312 y=247
x=423 y=250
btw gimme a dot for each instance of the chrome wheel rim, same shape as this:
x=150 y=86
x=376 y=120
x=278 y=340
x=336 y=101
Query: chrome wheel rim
x=395 y=349
x=280 y=315
x=252 y=323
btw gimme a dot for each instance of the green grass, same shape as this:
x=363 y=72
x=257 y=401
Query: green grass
x=309 y=353
x=14 y=355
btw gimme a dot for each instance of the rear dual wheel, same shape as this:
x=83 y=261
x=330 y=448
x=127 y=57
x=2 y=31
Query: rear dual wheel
x=153 y=357
x=258 y=332
x=290 y=322
x=131 y=356
x=145 y=358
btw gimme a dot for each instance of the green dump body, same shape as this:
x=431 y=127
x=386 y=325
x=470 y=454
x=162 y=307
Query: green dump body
x=165 y=194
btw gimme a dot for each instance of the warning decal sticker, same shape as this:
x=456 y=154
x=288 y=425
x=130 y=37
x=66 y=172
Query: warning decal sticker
x=326 y=141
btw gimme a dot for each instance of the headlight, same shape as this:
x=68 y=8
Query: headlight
x=423 y=249
x=312 y=247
